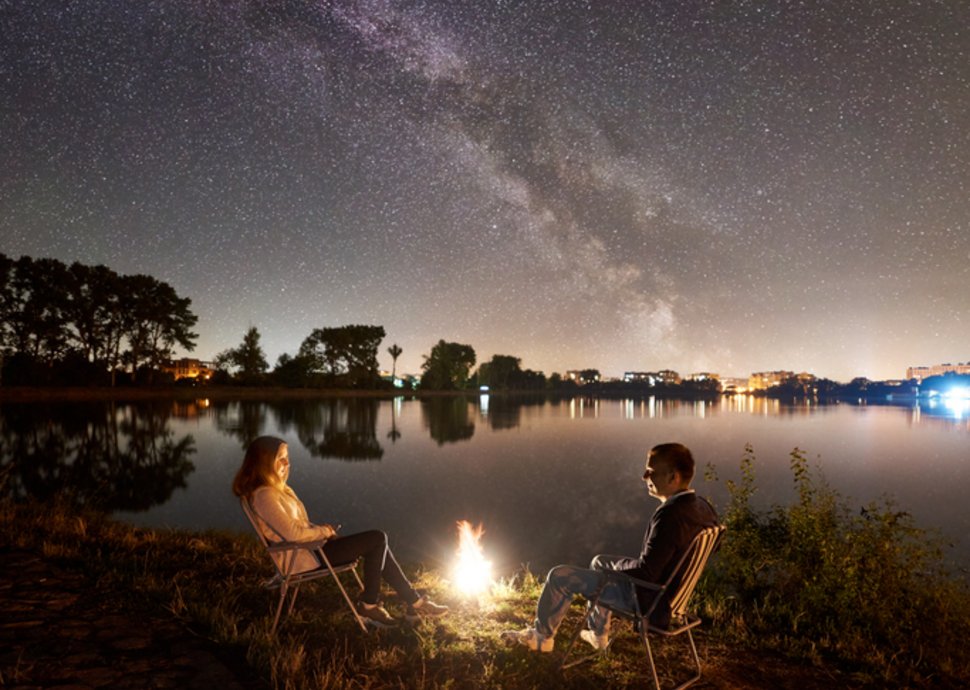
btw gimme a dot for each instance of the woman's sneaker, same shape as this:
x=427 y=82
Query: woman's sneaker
x=376 y=615
x=424 y=607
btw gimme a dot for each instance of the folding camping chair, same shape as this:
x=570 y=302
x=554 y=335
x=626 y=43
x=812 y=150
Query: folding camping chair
x=685 y=577
x=285 y=579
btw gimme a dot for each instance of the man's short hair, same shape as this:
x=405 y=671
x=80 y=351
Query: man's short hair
x=677 y=457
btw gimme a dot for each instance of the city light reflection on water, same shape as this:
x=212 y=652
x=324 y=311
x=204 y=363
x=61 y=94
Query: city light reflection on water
x=957 y=408
x=414 y=467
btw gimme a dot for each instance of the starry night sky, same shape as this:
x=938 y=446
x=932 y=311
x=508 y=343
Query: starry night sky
x=727 y=186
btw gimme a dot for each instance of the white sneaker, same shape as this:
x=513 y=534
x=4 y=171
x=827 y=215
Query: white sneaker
x=531 y=638
x=599 y=642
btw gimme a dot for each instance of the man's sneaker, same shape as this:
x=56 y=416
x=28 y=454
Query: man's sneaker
x=531 y=638
x=376 y=615
x=424 y=607
x=600 y=642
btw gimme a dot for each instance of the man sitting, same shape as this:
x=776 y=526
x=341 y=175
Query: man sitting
x=680 y=517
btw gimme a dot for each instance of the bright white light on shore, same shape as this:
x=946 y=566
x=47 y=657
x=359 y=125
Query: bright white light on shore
x=472 y=573
x=958 y=393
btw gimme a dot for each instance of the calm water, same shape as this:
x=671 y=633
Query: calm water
x=552 y=481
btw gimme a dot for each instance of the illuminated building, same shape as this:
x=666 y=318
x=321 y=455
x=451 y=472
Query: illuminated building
x=704 y=376
x=186 y=368
x=652 y=378
x=763 y=380
x=583 y=376
x=730 y=384
x=920 y=373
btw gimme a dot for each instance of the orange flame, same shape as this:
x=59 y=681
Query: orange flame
x=473 y=572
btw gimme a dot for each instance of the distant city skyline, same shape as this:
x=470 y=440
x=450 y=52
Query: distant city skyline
x=621 y=185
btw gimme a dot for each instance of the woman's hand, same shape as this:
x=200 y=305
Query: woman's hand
x=332 y=529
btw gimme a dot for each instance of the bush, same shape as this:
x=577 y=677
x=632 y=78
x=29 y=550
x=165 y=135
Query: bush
x=817 y=578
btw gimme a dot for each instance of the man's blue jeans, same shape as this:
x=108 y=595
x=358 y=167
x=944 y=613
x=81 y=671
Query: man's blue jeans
x=564 y=582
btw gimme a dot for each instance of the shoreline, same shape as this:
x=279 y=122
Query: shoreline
x=89 y=572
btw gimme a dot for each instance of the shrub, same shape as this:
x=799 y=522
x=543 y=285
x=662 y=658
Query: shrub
x=817 y=578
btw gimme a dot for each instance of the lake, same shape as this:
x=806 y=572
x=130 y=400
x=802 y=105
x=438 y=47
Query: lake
x=551 y=480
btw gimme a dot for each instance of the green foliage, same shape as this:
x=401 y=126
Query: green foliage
x=504 y=372
x=448 y=366
x=345 y=356
x=248 y=360
x=58 y=320
x=867 y=587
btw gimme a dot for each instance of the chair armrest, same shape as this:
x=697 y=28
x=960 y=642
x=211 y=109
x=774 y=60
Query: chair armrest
x=293 y=545
x=636 y=582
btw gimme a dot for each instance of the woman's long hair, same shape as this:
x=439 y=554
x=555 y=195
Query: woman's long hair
x=258 y=467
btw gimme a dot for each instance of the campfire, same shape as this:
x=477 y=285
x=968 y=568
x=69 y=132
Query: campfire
x=473 y=572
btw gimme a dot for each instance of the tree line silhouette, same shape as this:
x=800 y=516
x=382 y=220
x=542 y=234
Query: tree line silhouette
x=86 y=325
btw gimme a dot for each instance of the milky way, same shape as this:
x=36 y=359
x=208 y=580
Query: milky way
x=720 y=186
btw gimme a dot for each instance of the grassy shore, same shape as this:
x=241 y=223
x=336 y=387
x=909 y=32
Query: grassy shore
x=758 y=632
x=211 y=582
x=810 y=595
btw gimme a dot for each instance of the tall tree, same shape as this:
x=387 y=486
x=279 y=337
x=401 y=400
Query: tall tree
x=157 y=320
x=394 y=351
x=37 y=302
x=248 y=360
x=448 y=366
x=500 y=372
x=345 y=355
x=96 y=316
x=293 y=372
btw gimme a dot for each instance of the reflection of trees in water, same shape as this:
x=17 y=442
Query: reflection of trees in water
x=113 y=457
x=447 y=419
x=243 y=420
x=505 y=411
x=344 y=428
x=394 y=434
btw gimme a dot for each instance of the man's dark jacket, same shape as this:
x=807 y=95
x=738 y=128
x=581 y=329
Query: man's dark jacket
x=671 y=530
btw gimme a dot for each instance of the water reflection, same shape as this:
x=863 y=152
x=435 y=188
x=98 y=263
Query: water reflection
x=242 y=420
x=952 y=414
x=448 y=419
x=567 y=455
x=343 y=429
x=505 y=412
x=346 y=428
x=394 y=434
x=106 y=455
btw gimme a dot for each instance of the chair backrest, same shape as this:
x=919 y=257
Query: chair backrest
x=692 y=565
x=255 y=520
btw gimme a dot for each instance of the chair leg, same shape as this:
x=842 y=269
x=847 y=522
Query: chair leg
x=350 y=603
x=572 y=643
x=296 y=589
x=289 y=610
x=279 y=609
x=697 y=664
x=653 y=668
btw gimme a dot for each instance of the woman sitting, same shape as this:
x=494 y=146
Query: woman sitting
x=282 y=517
